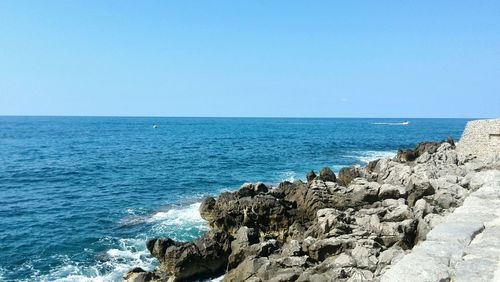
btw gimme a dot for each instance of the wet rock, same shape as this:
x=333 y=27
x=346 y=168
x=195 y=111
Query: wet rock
x=204 y=257
x=158 y=247
x=250 y=190
x=265 y=213
x=260 y=188
x=246 y=190
x=138 y=274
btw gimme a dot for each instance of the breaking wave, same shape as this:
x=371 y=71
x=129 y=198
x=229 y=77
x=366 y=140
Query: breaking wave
x=365 y=157
x=181 y=223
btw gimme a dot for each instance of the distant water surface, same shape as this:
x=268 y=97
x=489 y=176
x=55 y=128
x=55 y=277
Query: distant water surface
x=80 y=195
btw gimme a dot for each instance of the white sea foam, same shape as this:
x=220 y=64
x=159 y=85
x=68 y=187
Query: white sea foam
x=368 y=156
x=2 y=273
x=290 y=176
x=128 y=252
x=181 y=216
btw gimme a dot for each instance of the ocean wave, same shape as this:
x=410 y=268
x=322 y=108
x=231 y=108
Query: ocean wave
x=290 y=176
x=182 y=223
x=3 y=271
x=367 y=156
x=110 y=266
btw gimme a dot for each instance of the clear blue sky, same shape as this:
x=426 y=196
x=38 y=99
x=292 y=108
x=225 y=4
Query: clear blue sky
x=250 y=58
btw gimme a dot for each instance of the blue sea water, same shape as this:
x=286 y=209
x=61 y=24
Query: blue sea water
x=80 y=195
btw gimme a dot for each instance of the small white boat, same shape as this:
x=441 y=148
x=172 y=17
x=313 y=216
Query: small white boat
x=405 y=122
x=155 y=125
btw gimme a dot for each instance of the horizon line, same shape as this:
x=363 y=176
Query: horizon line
x=256 y=117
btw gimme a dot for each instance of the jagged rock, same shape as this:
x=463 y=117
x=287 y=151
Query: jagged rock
x=244 y=238
x=427 y=147
x=326 y=174
x=422 y=151
x=296 y=231
x=292 y=248
x=330 y=222
x=246 y=269
x=389 y=191
x=263 y=249
x=425 y=157
x=246 y=190
x=321 y=249
x=406 y=155
x=207 y=209
x=138 y=274
x=372 y=165
x=263 y=212
x=260 y=188
x=364 y=192
x=399 y=213
x=421 y=208
x=310 y=176
x=344 y=260
x=390 y=256
x=204 y=257
x=360 y=275
x=268 y=269
x=391 y=172
x=351 y=228
x=364 y=258
x=417 y=188
x=158 y=247
x=250 y=190
x=347 y=174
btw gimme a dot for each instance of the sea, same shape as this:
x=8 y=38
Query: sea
x=79 y=196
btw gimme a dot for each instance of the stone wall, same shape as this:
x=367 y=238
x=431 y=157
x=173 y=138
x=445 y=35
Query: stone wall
x=465 y=246
x=481 y=138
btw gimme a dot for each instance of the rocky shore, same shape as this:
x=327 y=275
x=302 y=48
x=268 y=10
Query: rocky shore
x=353 y=226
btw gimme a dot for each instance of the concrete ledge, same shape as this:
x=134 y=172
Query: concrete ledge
x=464 y=247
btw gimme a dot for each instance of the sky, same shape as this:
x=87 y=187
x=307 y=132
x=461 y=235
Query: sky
x=250 y=58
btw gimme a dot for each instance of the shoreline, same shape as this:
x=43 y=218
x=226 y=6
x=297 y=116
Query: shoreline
x=354 y=225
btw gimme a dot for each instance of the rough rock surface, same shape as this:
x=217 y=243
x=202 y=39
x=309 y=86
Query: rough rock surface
x=360 y=226
x=465 y=246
